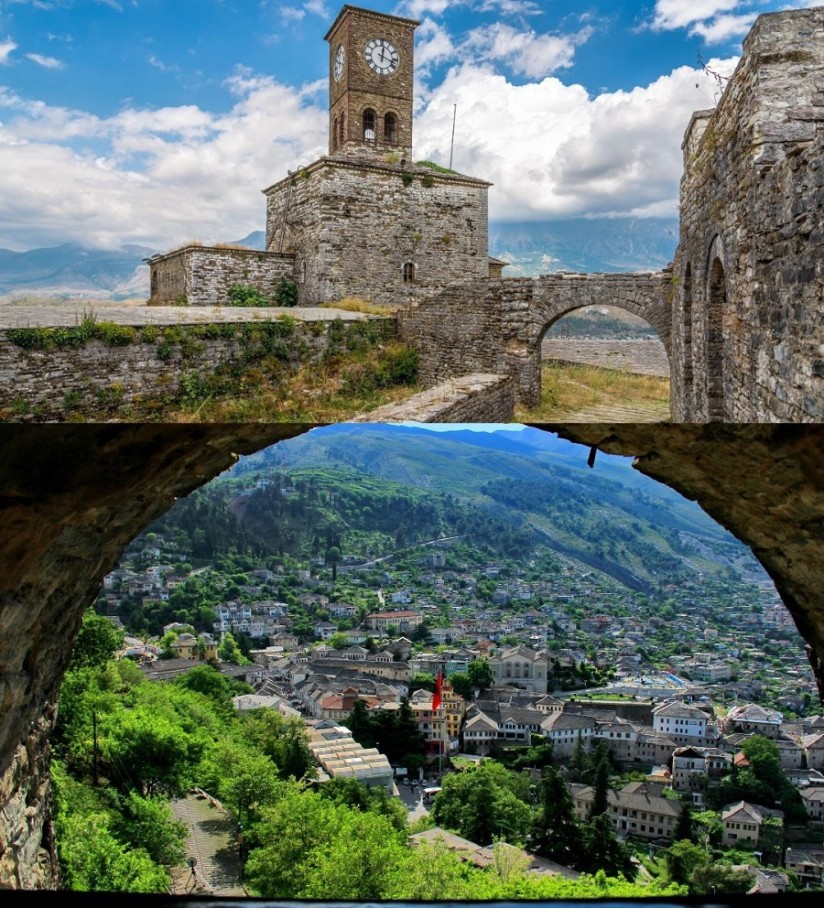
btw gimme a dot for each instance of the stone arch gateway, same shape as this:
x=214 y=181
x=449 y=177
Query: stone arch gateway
x=498 y=325
x=74 y=496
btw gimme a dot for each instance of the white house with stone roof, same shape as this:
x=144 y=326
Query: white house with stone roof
x=480 y=733
x=749 y=717
x=564 y=730
x=634 y=810
x=684 y=723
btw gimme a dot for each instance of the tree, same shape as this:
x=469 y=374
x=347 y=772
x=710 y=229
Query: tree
x=229 y=651
x=480 y=674
x=94 y=861
x=356 y=795
x=710 y=879
x=422 y=681
x=683 y=827
x=283 y=740
x=207 y=681
x=148 y=753
x=600 y=799
x=333 y=557
x=96 y=643
x=338 y=640
x=481 y=805
x=556 y=834
x=461 y=684
x=148 y=823
x=682 y=858
x=245 y=780
x=601 y=849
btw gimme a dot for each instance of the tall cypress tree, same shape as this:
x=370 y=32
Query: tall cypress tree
x=600 y=801
x=556 y=834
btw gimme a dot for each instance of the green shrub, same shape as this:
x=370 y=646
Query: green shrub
x=247 y=296
x=407 y=178
x=399 y=367
x=286 y=292
x=428 y=180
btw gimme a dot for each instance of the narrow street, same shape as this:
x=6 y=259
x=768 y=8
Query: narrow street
x=212 y=843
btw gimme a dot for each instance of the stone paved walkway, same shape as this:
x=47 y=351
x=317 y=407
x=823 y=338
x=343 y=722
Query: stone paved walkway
x=68 y=315
x=617 y=413
x=212 y=841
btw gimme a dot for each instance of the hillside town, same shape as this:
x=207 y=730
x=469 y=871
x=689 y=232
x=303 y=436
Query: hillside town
x=490 y=660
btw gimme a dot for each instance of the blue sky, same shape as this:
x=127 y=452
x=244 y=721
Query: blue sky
x=158 y=121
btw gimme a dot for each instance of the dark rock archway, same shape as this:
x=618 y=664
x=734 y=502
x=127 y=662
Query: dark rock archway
x=72 y=497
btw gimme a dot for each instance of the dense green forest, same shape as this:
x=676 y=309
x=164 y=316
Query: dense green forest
x=307 y=511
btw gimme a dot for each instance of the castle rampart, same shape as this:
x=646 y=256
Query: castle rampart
x=748 y=317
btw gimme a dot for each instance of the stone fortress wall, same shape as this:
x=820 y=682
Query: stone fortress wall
x=145 y=360
x=748 y=287
x=354 y=224
x=203 y=275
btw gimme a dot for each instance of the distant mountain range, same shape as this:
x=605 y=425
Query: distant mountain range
x=75 y=272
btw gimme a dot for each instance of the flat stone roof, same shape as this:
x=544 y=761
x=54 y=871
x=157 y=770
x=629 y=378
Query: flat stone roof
x=70 y=314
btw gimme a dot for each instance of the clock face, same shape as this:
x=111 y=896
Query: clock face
x=340 y=59
x=381 y=56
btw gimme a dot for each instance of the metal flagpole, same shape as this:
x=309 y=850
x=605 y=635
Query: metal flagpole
x=452 y=144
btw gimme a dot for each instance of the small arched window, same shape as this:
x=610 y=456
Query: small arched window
x=335 y=134
x=409 y=273
x=303 y=271
x=342 y=138
x=390 y=129
x=369 y=125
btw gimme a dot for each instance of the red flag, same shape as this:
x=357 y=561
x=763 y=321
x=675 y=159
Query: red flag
x=436 y=697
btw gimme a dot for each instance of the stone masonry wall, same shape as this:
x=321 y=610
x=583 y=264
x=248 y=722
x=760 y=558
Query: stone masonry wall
x=203 y=275
x=470 y=398
x=39 y=385
x=748 y=331
x=353 y=225
x=498 y=325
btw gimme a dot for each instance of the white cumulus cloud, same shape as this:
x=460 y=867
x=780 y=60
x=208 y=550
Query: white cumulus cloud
x=554 y=152
x=164 y=176
x=47 y=62
x=526 y=52
x=6 y=49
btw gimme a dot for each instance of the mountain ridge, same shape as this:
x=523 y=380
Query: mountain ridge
x=71 y=271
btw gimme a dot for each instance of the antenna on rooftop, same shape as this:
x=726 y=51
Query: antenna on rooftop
x=452 y=144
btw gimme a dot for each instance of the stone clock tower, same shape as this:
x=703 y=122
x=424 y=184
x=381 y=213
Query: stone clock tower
x=371 y=72
x=365 y=220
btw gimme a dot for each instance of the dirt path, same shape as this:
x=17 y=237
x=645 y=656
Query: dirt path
x=212 y=841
